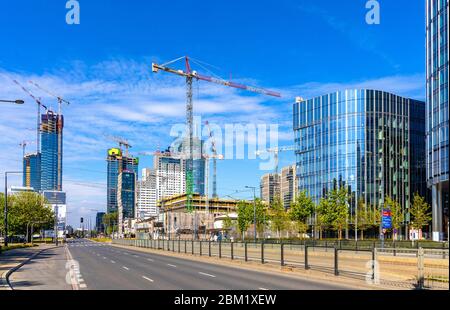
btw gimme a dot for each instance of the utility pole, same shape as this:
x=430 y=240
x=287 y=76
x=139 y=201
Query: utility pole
x=56 y=224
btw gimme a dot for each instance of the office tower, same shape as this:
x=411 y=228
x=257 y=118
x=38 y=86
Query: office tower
x=51 y=151
x=288 y=185
x=369 y=141
x=126 y=196
x=437 y=149
x=146 y=195
x=170 y=175
x=116 y=164
x=32 y=171
x=269 y=186
x=99 y=226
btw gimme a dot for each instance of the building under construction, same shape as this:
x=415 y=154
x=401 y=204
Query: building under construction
x=178 y=221
x=118 y=163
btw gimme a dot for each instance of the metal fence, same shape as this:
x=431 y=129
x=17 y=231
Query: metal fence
x=403 y=267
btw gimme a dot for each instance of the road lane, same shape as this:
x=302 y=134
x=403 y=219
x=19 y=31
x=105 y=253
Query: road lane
x=171 y=272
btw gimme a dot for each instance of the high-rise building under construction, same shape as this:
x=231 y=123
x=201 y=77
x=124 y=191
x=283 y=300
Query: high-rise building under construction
x=118 y=163
x=51 y=151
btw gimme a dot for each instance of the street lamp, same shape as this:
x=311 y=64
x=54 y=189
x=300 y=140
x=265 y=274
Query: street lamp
x=18 y=101
x=6 y=203
x=254 y=209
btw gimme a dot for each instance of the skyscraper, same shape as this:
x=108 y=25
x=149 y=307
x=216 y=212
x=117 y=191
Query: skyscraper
x=288 y=185
x=126 y=196
x=270 y=185
x=32 y=171
x=437 y=113
x=51 y=151
x=170 y=175
x=116 y=164
x=370 y=141
x=146 y=195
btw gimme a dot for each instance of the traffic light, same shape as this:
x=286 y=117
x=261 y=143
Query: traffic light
x=81 y=220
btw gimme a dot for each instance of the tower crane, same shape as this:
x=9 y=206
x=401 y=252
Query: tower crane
x=276 y=152
x=23 y=145
x=214 y=157
x=60 y=127
x=39 y=105
x=191 y=75
x=122 y=142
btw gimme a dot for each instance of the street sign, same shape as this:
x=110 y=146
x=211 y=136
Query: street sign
x=387 y=219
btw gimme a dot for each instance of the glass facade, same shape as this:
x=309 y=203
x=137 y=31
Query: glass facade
x=51 y=151
x=32 y=171
x=127 y=193
x=116 y=164
x=437 y=15
x=371 y=141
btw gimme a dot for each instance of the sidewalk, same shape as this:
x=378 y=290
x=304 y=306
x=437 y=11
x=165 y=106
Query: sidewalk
x=13 y=259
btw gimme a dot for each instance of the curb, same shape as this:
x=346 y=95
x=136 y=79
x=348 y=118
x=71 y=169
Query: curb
x=4 y=280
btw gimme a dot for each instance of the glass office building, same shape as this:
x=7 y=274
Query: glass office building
x=32 y=171
x=437 y=15
x=126 y=197
x=371 y=141
x=51 y=151
x=116 y=164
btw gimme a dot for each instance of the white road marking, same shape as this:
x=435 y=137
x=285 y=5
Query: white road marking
x=126 y=268
x=263 y=289
x=207 y=274
x=113 y=262
x=150 y=260
x=148 y=279
x=136 y=255
x=172 y=265
x=104 y=257
x=83 y=285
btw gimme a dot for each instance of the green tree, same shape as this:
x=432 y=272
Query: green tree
x=110 y=221
x=366 y=218
x=278 y=216
x=245 y=216
x=301 y=210
x=397 y=214
x=420 y=212
x=28 y=210
x=333 y=210
x=323 y=215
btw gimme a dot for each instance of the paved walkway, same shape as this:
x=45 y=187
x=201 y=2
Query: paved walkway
x=46 y=271
x=13 y=258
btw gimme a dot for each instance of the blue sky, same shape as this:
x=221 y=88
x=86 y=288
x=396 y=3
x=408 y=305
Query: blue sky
x=300 y=48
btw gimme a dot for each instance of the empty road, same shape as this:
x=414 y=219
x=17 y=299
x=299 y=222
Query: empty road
x=104 y=267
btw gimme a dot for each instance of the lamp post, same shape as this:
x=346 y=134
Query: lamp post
x=18 y=101
x=6 y=203
x=254 y=209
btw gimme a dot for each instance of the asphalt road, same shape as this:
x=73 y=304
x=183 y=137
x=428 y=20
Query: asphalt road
x=107 y=267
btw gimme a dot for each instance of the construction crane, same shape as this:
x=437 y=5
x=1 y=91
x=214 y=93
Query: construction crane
x=190 y=76
x=214 y=157
x=60 y=127
x=276 y=152
x=122 y=142
x=23 y=145
x=39 y=105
